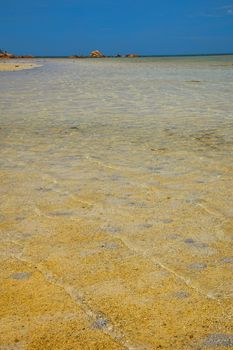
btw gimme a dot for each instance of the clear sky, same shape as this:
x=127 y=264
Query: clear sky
x=66 y=27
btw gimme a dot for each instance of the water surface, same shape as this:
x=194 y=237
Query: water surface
x=116 y=184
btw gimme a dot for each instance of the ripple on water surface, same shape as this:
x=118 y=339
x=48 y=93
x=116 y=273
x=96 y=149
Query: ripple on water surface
x=116 y=187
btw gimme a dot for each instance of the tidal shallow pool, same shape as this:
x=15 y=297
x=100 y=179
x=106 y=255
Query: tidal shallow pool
x=116 y=209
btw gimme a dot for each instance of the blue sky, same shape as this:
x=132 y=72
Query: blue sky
x=65 y=27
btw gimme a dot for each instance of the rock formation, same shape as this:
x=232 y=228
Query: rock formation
x=25 y=56
x=131 y=55
x=5 y=54
x=96 y=54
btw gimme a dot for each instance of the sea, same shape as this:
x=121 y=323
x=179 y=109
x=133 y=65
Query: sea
x=129 y=156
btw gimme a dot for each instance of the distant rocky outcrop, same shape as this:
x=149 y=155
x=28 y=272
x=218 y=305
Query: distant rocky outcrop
x=5 y=54
x=25 y=56
x=96 y=54
x=132 y=55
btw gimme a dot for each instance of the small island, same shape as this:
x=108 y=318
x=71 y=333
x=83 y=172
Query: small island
x=6 y=55
x=93 y=54
x=99 y=54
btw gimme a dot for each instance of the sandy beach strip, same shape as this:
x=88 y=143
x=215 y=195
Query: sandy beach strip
x=15 y=66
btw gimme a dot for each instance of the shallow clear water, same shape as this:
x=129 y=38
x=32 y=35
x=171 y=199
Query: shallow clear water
x=139 y=149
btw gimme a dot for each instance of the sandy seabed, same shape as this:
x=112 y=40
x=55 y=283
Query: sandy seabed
x=116 y=206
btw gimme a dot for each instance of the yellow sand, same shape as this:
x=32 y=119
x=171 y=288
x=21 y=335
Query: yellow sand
x=14 y=66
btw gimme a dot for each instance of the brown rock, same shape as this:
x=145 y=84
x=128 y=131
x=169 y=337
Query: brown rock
x=132 y=55
x=96 y=54
x=4 y=54
x=25 y=56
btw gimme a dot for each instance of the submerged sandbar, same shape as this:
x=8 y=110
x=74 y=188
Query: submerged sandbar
x=15 y=66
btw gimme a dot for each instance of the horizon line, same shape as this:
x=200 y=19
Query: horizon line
x=148 y=55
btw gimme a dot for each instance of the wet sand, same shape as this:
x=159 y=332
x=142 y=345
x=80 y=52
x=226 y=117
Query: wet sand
x=116 y=206
x=6 y=66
